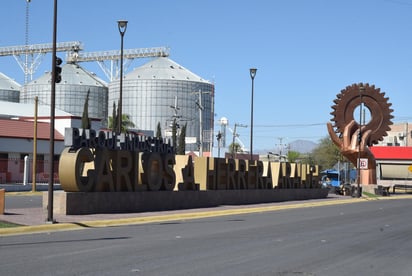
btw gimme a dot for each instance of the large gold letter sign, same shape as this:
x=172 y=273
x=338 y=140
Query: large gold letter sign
x=354 y=137
x=106 y=162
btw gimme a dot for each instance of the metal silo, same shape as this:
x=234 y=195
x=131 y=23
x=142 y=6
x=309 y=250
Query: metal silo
x=161 y=91
x=9 y=89
x=71 y=92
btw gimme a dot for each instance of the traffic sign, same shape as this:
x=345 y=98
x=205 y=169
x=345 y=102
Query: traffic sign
x=363 y=163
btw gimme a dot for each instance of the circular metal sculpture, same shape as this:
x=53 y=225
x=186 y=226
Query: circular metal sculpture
x=352 y=97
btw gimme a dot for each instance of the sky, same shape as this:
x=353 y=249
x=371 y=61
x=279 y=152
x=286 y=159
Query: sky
x=305 y=52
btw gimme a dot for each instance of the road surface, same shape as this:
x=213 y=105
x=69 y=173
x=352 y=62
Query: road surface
x=365 y=238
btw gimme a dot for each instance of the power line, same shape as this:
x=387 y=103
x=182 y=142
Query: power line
x=293 y=125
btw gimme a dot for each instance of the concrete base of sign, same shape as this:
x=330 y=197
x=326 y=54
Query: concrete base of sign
x=369 y=188
x=77 y=203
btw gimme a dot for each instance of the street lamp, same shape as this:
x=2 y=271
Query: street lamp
x=122 y=25
x=252 y=76
x=361 y=91
x=52 y=117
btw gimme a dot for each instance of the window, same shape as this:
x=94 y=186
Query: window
x=4 y=159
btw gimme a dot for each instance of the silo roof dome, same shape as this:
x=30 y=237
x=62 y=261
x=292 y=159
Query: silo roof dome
x=73 y=74
x=163 y=68
x=7 y=83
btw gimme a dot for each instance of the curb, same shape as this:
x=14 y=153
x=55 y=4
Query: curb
x=45 y=228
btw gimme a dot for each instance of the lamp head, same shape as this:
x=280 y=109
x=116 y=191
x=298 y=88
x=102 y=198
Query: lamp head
x=122 y=24
x=253 y=72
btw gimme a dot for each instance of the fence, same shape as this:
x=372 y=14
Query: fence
x=12 y=171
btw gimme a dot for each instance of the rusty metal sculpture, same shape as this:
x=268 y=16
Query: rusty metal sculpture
x=354 y=138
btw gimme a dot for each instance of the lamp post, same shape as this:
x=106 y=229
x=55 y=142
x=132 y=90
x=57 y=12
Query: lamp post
x=361 y=91
x=122 y=25
x=252 y=76
x=52 y=116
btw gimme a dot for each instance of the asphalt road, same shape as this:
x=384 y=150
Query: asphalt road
x=365 y=238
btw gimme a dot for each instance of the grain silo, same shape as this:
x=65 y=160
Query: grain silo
x=71 y=92
x=9 y=89
x=161 y=91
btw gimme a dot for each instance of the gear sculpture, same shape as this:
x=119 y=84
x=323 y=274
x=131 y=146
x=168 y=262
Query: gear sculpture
x=354 y=138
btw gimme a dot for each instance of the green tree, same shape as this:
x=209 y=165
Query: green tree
x=116 y=119
x=293 y=156
x=235 y=148
x=181 y=148
x=158 y=131
x=126 y=123
x=86 y=123
x=113 y=120
x=326 y=154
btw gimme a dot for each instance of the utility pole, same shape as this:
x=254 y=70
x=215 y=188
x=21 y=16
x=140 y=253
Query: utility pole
x=280 y=145
x=219 y=139
x=36 y=103
x=235 y=134
x=233 y=142
x=201 y=108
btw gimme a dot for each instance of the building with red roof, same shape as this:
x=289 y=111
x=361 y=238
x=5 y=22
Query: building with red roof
x=17 y=137
x=394 y=156
x=393 y=164
x=17 y=142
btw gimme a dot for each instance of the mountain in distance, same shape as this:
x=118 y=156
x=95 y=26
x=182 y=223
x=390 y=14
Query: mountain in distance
x=302 y=146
